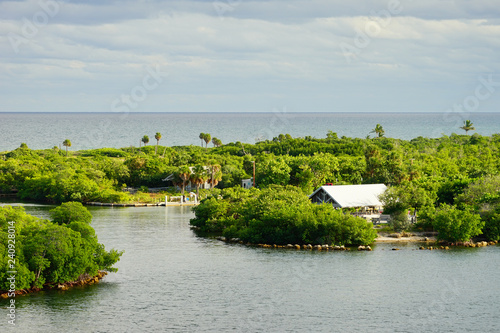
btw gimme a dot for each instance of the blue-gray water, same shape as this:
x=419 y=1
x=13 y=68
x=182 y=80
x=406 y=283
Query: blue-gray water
x=97 y=130
x=170 y=280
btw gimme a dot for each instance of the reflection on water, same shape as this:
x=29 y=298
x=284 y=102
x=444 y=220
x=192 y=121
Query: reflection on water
x=171 y=280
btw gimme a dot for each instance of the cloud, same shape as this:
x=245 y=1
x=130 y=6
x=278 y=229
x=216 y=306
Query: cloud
x=247 y=55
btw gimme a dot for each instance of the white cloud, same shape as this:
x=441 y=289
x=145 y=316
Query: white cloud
x=258 y=54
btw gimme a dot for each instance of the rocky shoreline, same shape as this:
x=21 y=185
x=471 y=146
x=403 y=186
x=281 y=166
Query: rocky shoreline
x=381 y=239
x=82 y=281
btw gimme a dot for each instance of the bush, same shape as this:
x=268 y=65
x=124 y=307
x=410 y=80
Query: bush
x=71 y=212
x=399 y=221
x=49 y=253
x=456 y=225
x=492 y=227
x=279 y=215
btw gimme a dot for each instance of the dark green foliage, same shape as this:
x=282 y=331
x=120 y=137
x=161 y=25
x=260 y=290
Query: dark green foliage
x=279 y=215
x=49 y=253
x=109 y=152
x=399 y=221
x=71 y=212
x=492 y=226
x=456 y=225
x=459 y=170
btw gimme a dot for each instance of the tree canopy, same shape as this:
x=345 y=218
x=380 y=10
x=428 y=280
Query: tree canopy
x=47 y=252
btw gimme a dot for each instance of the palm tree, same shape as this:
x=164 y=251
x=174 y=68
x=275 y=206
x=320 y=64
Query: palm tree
x=216 y=142
x=199 y=177
x=379 y=130
x=207 y=137
x=202 y=137
x=67 y=143
x=157 y=137
x=145 y=139
x=468 y=126
x=215 y=175
x=184 y=173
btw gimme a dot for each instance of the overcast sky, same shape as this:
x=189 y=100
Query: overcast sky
x=249 y=55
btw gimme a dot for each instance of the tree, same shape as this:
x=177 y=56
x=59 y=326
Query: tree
x=468 y=126
x=202 y=137
x=48 y=253
x=216 y=142
x=279 y=215
x=145 y=139
x=207 y=137
x=67 y=143
x=455 y=225
x=184 y=173
x=214 y=175
x=273 y=171
x=378 y=130
x=157 y=137
x=199 y=177
x=71 y=212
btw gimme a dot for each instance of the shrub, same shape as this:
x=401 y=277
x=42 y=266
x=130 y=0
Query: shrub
x=456 y=225
x=71 y=212
x=492 y=227
x=279 y=215
x=399 y=221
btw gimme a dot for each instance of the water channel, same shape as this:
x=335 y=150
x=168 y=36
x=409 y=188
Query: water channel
x=171 y=280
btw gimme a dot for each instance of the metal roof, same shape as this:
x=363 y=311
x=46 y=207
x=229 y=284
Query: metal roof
x=354 y=195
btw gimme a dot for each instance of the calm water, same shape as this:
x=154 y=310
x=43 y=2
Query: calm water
x=170 y=280
x=97 y=130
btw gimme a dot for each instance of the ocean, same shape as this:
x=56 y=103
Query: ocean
x=98 y=130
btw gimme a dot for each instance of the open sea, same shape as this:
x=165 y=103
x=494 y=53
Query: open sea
x=97 y=130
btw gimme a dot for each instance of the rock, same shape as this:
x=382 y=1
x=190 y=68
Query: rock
x=421 y=248
x=395 y=249
x=326 y=247
x=368 y=248
x=309 y=246
x=343 y=248
x=297 y=246
x=64 y=287
x=336 y=248
x=446 y=248
x=361 y=248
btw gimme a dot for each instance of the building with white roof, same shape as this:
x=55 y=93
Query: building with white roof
x=364 y=196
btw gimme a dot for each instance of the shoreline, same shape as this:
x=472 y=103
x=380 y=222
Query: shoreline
x=82 y=281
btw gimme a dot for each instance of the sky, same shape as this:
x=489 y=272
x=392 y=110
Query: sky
x=250 y=56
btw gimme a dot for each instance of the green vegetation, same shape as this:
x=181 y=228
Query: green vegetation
x=468 y=126
x=157 y=137
x=456 y=170
x=279 y=215
x=66 y=143
x=50 y=253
